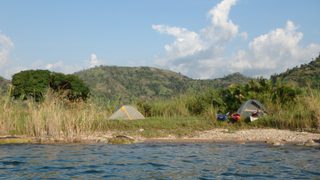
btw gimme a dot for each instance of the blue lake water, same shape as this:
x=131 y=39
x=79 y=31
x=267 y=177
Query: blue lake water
x=159 y=161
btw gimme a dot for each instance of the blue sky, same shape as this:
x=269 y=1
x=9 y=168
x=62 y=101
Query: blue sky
x=199 y=38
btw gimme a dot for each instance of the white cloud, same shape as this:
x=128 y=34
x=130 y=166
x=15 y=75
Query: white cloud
x=203 y=54
x=221 y=29
x=199 y=54
x=5 y=47
x=186 y=43
x=55 y=65
x=94 y=61
x=7 y=69
x=274 y=52
x=59 y=66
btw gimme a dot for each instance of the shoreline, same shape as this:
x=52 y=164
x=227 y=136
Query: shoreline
x=274 y=137
x=270 y=136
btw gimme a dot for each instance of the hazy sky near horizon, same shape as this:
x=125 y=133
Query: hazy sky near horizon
x=198 y=38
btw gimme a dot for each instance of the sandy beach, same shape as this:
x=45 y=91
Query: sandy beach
x=270 y=136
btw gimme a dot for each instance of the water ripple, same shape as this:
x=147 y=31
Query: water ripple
x=159 y=161
x=12 y=163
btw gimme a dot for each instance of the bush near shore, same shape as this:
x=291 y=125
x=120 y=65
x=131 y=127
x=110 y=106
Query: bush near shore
x=58 y=118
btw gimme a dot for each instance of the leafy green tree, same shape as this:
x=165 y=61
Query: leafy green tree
x=69 y=85
x=31 y=83
x=35 y=83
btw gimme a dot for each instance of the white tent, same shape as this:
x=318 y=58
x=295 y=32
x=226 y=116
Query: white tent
x=126 y=112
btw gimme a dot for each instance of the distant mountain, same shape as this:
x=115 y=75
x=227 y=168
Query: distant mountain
x=304 y=75
x=147 y=82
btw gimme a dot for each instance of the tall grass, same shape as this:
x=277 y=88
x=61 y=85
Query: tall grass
x=301 y=114
x=52 y=118
x=55 y=118
x=173 y=107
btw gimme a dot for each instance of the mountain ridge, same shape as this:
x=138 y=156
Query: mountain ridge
x=147 y=82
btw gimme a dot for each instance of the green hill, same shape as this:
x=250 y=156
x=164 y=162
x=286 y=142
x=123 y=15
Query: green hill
x=234 y=78
x=147 y=82
x=127 y=82
x=304 y=75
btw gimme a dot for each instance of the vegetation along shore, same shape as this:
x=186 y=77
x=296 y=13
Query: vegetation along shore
x=43 y=106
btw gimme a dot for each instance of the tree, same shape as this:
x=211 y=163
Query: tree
x=35 y=83
x=69 y=85
x=31 y=83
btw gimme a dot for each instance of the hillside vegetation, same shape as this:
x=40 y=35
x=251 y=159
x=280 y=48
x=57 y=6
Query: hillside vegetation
x=4 y=84
x=305 y=75
x=146 y=82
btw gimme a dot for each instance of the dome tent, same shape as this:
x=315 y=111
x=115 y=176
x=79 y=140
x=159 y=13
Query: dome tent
x=126 y=112
x=250 y=108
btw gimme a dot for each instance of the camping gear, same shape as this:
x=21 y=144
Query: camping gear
x=127 y=112
x=222 y=117
x=251 y=109
x=255 y=116
x=235 y=117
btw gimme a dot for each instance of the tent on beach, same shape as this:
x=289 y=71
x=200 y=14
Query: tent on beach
x=252 y=109
x=126 y=112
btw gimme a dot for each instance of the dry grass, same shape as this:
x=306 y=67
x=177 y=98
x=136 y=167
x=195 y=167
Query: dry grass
x=53 y=118
x=56 y=119
x=303 y=114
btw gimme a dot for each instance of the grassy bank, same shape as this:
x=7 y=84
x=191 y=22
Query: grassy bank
x=180 y=116
x=159 y=126
x=301 y=114
x=58 y=119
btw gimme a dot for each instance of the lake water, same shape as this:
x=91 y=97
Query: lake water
x=159 y=161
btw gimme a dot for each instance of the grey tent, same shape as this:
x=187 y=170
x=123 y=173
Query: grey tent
x=251 y=109
x=127 y=112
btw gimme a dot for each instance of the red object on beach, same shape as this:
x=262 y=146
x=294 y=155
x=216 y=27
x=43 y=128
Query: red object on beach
x=235 y=117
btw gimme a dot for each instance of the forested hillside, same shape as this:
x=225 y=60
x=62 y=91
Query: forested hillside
x=304 y=75
x=127 y=82
x=147 y=82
